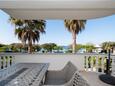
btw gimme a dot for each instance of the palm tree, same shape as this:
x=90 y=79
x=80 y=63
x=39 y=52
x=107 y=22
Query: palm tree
x=74 y=26
x=28 y=31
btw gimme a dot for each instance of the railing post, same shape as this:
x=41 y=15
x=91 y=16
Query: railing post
x=4 y=62
x=113 y=66
x=102 y=64
x=108 y=63
x=0 y=63
x=91 y=63
x=96 y=63
x=86 y=63
x=13 y=60
x=8 y=61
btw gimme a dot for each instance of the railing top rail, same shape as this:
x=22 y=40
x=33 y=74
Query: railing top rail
x=54 y=54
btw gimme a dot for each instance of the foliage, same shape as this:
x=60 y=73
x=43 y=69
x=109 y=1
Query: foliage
x=2 y=49
x=69 y=51
x=1 y=45
x=108 y=45
x=16 y=47
x=75 y=26
x=58 y=48
x=49 y=46
x=5 y=48
x=28 y=31
x=37 y=47
x=79 y=46
x=88 y=47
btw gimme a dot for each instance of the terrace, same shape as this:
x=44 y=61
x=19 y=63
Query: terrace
x=92 y=74
x=90 y=68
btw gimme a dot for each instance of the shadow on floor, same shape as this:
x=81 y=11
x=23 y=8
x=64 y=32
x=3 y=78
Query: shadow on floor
x=108 y=79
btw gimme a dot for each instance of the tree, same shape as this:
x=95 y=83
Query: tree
x=108 y=45
x=16 y=47
x=74 y=26
x=58 y=48
x=79 y=46
x=49 y=46
x=89 y=47
x=1 y=45
x=28 y=31
x=37 y=47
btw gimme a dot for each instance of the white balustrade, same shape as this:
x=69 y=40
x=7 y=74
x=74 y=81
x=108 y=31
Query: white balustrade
x=96 y=63
x=6 y=68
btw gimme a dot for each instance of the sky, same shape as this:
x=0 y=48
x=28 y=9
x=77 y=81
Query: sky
x=96 y=31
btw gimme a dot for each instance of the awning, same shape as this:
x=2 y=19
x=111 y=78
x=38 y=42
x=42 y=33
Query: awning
x=58 y=9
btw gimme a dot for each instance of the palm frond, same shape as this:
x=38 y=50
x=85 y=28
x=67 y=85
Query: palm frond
x=28 y=29
x=75 y=26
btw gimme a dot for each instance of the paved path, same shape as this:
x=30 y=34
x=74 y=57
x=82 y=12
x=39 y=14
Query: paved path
x=97 y=79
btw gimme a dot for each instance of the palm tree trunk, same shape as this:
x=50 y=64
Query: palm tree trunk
x=74 y=43
x=30 y=47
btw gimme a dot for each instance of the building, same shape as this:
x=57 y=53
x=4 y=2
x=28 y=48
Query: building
x=97 y=49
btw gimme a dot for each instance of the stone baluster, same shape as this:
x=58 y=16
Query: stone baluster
x=102 y=64
x=91 y=63
x=97 y=58
x=0 y=63
x=113 y=66
x=86 y=63
x=94 y=63
x=4 y=62
x=13 y=60
x=14 y=64
x=4 y=67
x=0 y=69
x=10 y=60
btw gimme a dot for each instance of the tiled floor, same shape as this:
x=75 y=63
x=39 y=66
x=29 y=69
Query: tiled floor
x=97 y=79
